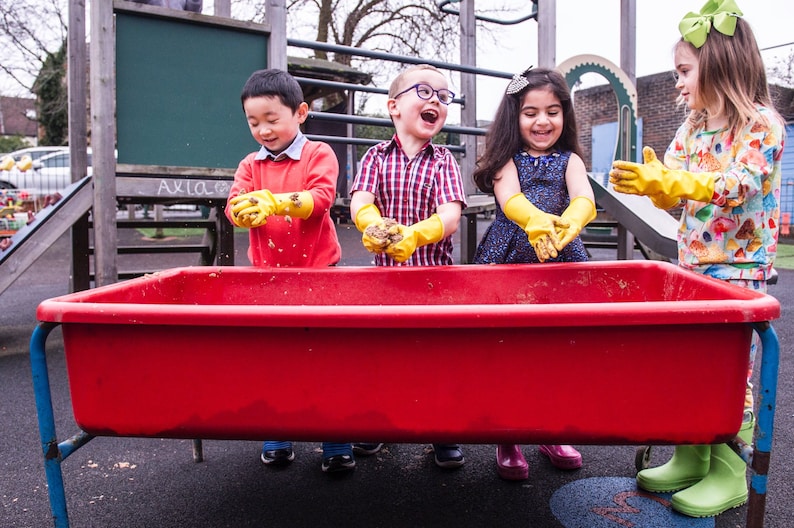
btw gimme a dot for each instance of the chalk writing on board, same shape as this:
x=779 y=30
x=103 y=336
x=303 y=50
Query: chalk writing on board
x=174 y=187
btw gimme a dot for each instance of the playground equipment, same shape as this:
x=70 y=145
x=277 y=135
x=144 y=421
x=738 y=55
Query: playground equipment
x=158 y=164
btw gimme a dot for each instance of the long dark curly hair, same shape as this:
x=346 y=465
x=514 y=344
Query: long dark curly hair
x=503 y=139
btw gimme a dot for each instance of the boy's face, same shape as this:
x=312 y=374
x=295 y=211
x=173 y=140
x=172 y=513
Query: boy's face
x=413 y=115
x=273 y=124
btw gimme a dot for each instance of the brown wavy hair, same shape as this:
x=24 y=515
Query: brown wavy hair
x=731 y=78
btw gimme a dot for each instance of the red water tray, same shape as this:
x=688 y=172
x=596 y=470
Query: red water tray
x=624 y=352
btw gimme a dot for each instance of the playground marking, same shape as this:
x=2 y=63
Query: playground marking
x=615 y=502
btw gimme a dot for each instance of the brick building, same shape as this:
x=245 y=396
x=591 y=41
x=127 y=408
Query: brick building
x=18 y=118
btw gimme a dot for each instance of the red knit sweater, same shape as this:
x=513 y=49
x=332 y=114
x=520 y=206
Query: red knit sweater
x=299 y=243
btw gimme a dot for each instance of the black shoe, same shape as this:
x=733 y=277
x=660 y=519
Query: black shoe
x=363 y=449
x=277 y=453
x=338 y=463
x=448 y=456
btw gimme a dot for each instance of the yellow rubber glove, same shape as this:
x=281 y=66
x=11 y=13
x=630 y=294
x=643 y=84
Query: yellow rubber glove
x=540 y=227
x=420 y=234
x=252 y=209
x=580 y=212
x=664 y=202
x=25 y=163
x=368 y=216
x=7 y=163
x=652 y=178
x=296 y=204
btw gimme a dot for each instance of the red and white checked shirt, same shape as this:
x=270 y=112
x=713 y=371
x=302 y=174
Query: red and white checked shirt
x=410 y=190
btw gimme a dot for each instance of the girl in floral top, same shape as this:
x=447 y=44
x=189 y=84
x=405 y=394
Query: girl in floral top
x=725 y=165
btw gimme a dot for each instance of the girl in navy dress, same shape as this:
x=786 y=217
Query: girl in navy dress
x=533 y=166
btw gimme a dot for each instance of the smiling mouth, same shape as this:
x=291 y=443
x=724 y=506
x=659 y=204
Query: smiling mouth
x=429 y=116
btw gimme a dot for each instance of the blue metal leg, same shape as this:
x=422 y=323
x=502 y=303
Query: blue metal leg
x=54 y=452
x=770 y=359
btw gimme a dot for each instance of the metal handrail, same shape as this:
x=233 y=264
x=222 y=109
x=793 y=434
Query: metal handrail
x=349 y=50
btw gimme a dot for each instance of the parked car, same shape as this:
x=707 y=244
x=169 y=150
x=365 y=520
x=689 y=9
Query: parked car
x=49 y=173
x=29 y=179
x=54 y=171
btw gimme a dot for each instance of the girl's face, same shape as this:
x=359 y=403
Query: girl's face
x=540 y=120
x=686 y=69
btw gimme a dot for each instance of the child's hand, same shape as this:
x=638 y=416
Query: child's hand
x=252 y=209
x=541 y=227
x=652 y=178
x=377 y=237
x=544 y=242
x=580 y=212
x=419 y=234
x=375 y=230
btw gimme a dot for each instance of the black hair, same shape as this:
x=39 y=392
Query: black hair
x=274 y=83
x=503 y=139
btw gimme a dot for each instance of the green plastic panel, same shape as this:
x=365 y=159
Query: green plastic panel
x=178 y=85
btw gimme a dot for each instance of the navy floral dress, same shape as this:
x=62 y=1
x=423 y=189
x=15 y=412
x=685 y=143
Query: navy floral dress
x=542 y=181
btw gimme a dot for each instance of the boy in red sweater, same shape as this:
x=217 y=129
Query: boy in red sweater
x=283 y=194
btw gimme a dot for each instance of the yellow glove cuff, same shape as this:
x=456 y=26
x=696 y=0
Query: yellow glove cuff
x=7 y=163
x=519 y=209
x=581 y=211
x=297 y=204
x=429 y=230
x=699 y=186
x=366 y=216
x=664 y=202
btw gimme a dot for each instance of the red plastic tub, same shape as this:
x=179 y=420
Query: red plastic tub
x=617 y=352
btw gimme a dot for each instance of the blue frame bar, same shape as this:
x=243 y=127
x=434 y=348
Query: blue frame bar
x=53 y=451
x=765 y=424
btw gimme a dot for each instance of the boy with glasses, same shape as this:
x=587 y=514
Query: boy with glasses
x=408 y=194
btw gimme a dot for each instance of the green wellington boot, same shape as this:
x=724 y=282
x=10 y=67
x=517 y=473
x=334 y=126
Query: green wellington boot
x=724 y=487
x=690 y=463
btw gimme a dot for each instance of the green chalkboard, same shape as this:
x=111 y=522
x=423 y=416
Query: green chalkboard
x=178 y=85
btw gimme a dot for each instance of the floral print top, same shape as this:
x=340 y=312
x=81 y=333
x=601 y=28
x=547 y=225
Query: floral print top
x=735 y=235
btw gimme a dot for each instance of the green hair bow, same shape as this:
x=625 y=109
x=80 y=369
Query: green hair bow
x=721 y=14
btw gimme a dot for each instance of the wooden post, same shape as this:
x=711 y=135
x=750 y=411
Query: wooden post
x=547 y=34
x=468 y=88
x=468 y=118
x=276 y=16
x=628 y=53
x=78 y=127
x=103 y=51
x=223 y=8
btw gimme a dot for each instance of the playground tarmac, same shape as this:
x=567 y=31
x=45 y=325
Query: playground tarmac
x=133 y=482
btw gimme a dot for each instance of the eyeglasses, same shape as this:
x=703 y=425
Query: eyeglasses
x=425 y=91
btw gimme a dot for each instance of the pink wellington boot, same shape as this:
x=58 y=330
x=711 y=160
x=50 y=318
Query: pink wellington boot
x=510 y=462
x=562 y=456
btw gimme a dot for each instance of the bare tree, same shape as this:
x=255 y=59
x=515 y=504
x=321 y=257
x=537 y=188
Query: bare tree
x=782 y=72
x=416 y=28
x=31 y=34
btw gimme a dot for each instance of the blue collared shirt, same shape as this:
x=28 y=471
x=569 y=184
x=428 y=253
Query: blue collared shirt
x=293 y=151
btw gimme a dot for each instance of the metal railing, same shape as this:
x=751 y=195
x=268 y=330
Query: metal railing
x=464 y=129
